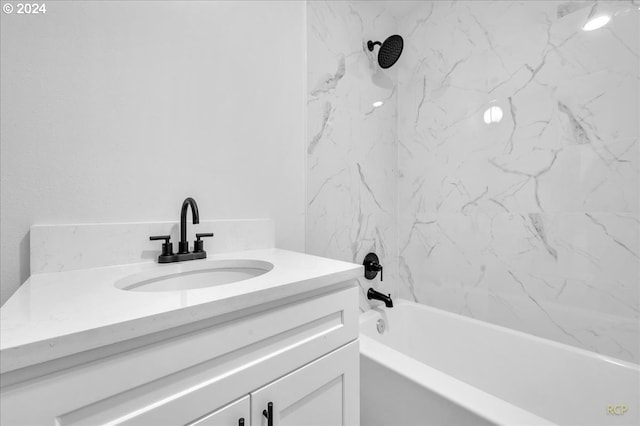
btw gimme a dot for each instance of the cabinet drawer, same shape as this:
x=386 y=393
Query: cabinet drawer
x=228 y=415
x=264 y=347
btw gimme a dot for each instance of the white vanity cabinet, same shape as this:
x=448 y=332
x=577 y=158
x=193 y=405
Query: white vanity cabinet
x=300 y=354
x=236 y=413
x=324 y=392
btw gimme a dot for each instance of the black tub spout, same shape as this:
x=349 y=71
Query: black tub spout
x=376 y=295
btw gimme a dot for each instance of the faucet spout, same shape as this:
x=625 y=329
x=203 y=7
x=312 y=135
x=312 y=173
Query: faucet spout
x=183 y=245
x=376 y=295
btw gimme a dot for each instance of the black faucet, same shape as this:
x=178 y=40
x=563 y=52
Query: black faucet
x=167 y=255
x=183 y=245
x=372 y=294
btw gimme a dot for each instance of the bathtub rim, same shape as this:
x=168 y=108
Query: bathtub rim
x=378 y=311
x=470 y=398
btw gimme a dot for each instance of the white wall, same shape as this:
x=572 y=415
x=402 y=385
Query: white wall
x=117 y=111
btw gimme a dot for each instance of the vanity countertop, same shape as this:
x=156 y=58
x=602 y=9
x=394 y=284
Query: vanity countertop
x=56 y=314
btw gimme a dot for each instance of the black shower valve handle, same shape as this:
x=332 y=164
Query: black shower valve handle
x=372 y=266
x=379 y=268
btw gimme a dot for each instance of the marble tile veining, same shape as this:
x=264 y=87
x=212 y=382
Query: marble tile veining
x=351 y=176
x=531 y=222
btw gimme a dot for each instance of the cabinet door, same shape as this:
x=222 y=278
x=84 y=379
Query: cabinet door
x=322 y=393
x=228 y=415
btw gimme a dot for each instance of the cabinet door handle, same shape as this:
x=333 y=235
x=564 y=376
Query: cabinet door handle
x=268 y=413
x=241 y=421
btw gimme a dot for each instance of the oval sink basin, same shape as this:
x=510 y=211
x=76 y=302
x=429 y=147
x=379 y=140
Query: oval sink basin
x=188 y=277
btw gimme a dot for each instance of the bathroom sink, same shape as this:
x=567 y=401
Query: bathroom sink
x=194 y=276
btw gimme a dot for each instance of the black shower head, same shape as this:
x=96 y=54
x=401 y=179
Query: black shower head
x=389 y=51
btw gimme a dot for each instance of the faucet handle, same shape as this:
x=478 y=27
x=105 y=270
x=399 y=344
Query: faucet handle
x=198 y=244
x=372 y=266
x=167 y=246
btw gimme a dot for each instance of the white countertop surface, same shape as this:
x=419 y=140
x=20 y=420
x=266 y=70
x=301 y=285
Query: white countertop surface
x=62 y=313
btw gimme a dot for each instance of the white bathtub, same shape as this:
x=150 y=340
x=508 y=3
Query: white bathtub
x=432 y=367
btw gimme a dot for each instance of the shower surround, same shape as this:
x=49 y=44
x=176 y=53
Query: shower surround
x=352 y=148
x=531 y=223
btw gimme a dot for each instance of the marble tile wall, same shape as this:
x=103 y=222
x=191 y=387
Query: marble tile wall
x=352 y=147
x=531 y=223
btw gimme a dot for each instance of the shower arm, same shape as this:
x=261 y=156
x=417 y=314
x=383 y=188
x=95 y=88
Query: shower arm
x=371 y=44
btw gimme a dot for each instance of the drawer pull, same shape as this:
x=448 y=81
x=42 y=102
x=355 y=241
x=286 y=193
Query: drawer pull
x=268 y=413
